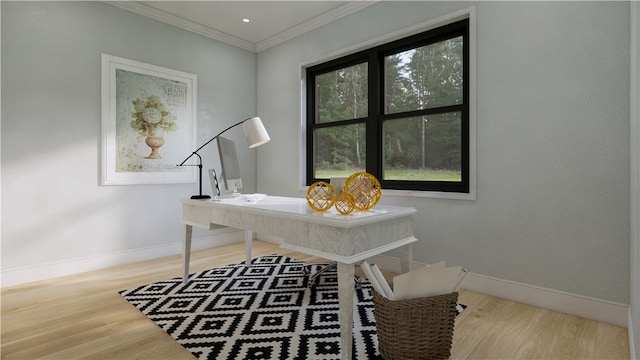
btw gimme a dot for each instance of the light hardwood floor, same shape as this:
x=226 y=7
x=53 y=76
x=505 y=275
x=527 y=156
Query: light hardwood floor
x=83 y=316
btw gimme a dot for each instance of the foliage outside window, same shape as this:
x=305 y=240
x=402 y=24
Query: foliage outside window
x=399 y=111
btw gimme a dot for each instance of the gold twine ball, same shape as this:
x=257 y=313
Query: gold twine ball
x=344 y=203
x=321 y=196
x=365 y=189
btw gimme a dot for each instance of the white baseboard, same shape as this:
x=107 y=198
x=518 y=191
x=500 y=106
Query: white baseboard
x=579 y=305
x=271 y=239
x=587 y=307
x=28 y=274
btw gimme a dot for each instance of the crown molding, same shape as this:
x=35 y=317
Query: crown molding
x=159 y=15
x=182 y=23
x=326 y=18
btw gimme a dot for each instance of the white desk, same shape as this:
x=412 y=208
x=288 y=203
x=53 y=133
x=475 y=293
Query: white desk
x=345 y=239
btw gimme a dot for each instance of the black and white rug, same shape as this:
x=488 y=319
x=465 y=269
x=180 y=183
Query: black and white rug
x=264 y=311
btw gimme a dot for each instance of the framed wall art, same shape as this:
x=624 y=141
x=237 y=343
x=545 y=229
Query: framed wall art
x=148 y=123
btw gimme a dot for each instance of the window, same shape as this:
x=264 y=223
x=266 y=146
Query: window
x=399 y=111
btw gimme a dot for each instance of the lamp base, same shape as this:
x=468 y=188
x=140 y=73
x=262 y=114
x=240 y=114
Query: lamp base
x=201 y=197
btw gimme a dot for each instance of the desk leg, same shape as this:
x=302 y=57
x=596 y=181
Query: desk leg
x=248 y=241
x=346 y=290
x=186 y=252
x=406 y=258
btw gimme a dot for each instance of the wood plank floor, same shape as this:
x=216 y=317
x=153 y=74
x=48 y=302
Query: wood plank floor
x=83 y=317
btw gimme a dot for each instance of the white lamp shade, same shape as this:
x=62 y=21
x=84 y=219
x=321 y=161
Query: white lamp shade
x=255 y=132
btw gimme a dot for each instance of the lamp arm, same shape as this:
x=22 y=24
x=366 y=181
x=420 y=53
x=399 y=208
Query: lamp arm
x=195 y=152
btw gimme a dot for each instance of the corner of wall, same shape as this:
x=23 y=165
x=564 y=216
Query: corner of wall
x=634 y=301
x=633 y=355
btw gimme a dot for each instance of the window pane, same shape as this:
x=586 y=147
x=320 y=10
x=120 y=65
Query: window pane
x=425 y=77
x=423 y=148
x=339 y=151
x=342 y=94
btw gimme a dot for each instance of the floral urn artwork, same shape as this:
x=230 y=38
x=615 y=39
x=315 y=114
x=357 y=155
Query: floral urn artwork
x=151 y=120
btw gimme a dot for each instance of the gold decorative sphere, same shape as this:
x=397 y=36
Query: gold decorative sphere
x=321 y=196
x=344 y=203
x=365 y=189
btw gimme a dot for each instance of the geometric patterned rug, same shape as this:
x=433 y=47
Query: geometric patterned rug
x=264 y=311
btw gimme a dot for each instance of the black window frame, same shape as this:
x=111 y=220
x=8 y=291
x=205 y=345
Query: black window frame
x=376 y=117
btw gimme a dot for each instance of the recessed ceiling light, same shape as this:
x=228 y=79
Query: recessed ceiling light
x=246 y=20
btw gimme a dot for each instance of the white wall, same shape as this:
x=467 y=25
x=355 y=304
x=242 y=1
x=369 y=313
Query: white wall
x=54 y=212
x=552 y=205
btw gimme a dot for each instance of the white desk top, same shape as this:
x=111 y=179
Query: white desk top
x=288 y=207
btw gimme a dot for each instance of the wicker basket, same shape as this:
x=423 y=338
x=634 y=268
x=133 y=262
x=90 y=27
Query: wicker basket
x=415 y=329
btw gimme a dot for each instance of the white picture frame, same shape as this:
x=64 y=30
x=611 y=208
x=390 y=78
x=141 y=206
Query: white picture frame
x=148 y=123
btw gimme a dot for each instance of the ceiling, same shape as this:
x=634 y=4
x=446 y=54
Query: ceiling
x=270 y=22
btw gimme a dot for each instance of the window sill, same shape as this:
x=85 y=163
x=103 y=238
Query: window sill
x=420 y=194
x=429 y=194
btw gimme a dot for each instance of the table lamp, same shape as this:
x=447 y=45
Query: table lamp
x=255 y=133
